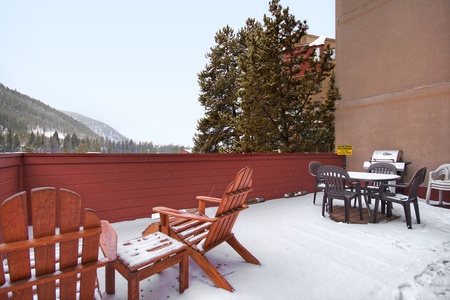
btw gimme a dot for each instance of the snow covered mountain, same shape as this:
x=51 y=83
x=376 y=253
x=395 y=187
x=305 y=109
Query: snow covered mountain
x=98 y=127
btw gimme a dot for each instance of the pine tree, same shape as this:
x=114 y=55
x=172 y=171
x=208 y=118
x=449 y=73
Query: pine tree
x=327 y=133
x=257 y=90
x=279 y=80
x=218 y=95
x=16 y=143
x=29 y=147
x=96 y=146
x=37 y=143
x=320 y=135
x=75 y=141
x=9 y=141
x=67 y=145
x=2 y=141
x=55 y=144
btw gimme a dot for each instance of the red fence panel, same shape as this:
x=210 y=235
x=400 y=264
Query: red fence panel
x=127 y=186
x=10 y=175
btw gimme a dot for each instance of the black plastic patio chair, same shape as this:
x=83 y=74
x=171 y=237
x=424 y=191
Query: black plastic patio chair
x=337 y=184
x=403 y=199
x=320 y=184
x=372 y=188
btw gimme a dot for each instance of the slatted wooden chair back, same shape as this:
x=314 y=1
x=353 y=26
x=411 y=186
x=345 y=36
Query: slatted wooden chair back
x=46 y=260
x=229 y=208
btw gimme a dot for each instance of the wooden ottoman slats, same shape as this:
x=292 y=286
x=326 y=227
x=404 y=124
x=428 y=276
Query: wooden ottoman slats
x=142 y=257
x=145 y=250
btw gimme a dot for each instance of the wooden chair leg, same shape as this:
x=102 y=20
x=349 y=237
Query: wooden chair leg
x=242 y=251
x=184 y=272
x=210 y=270
x=110 y=279
x=133 y=286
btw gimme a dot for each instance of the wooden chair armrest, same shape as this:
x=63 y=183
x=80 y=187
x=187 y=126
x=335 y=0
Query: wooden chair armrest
x=182 y=214
x=208 y=199
x=202 y=202
x=108 y=240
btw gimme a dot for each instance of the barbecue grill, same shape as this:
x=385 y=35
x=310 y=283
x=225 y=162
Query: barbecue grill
x=394 y=157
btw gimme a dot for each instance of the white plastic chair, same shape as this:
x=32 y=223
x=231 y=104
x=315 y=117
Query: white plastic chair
x=439 y=180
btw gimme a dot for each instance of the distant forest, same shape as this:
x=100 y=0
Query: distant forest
x=29 y=125
x=39 y=143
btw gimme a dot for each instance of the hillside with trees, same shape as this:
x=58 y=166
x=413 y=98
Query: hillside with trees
x=29 y=125
x=21 y=113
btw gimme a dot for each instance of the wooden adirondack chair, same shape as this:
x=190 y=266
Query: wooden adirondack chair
x=202 y=233
x=48 y=260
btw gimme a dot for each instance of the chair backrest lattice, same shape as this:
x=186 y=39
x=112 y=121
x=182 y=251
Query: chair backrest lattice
x=381 y=168
x=45 y=260
x=336 y=180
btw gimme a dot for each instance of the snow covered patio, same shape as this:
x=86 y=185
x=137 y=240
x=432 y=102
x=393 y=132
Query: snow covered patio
x=306 y=256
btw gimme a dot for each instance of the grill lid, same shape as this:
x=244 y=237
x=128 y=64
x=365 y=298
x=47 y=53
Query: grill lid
x=387 y=156
x=394 y=157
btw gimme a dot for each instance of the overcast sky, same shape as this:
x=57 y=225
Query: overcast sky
x=130 y=64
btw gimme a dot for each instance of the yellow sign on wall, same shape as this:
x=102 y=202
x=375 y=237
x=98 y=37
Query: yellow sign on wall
x=344 y=150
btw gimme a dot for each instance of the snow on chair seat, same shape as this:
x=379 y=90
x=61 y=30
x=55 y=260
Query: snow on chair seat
x=142 y=257
x=145 y=250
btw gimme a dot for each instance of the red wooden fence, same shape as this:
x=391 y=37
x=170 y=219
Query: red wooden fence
x=125 y=187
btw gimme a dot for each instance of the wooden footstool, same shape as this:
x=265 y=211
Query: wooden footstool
x=145 y=256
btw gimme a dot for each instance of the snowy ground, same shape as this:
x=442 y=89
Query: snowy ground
x=306 y=256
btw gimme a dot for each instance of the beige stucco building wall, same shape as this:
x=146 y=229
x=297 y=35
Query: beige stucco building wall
x=393 y=72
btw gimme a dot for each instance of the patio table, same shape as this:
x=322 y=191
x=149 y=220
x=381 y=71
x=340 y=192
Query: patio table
x=371 y=177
